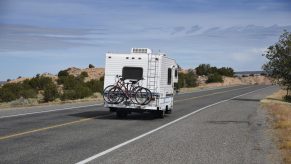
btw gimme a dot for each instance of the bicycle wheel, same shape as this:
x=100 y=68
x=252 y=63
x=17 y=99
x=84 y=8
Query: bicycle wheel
x=115 y=95
x=143 y=96
x=133 y=93
x=105 y=93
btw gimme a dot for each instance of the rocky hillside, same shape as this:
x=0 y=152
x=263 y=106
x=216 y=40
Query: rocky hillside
x=93 y=73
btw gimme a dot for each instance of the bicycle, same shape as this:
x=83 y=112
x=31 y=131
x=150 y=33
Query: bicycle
x=131 y=91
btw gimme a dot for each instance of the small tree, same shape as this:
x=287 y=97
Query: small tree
x=190 y=79
x=50 y=92
x=226 y=71
x=203 y=69
x=213 y=78
x=279 y=64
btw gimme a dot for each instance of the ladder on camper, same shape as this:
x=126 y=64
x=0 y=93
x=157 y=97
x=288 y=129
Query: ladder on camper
x=152 y=75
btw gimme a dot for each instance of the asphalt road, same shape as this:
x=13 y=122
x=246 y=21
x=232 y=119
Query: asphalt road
x=215 y=126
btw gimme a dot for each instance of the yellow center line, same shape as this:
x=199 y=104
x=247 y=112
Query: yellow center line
x=87 y=119
x=45 y=128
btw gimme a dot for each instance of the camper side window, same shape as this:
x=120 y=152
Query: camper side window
x=176 y=73
x=169 y=76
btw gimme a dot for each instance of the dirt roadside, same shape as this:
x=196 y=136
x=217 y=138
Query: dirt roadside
x=279 y=119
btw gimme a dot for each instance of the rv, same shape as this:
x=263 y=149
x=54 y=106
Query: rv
x=139 y=81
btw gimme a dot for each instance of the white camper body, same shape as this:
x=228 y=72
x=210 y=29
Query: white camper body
x=159 y=74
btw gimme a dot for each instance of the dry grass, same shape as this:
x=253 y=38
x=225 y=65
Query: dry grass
x=280 y=113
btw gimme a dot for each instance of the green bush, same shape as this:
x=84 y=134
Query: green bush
x=287 y=98
x=202 y=69
x=226 y=71
x=69 y=95
x=63 y=73
x=77 y=93
x=76 y=88
x=206 y=69
x=84 y=74
x=13 y=91
x=50 y=92
x=39 y=82
x=28 y=93
x=95 y=85
x=7 y=95
x=82 y=92
x=69 y=82
x=91 y=66
x=213 y=78
x=190 y=79
x=181 y=80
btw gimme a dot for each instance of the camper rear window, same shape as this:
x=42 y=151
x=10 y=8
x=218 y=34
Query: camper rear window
x=169 y=76
x=135 y=73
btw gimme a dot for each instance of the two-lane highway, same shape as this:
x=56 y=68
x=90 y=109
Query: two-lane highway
x=74 y=135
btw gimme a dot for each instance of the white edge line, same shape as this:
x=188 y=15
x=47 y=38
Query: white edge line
x=161 y=127
x=47 y=111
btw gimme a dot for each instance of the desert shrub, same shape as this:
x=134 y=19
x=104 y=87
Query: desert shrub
x=91 y=66
x=287 y=98
x=69 y=82
x=7 y=95
x=13 y=91
x=181 y=80
x=50 y=92
x=76 y=88
x=190 y=79
x=212 y=78
x=102 y=79
x=225 y=71
x=28 y=93
x=82 y=92
x=206 y=69
x=69 y=95
x=202 y=69
x=63 y=73
x=95 y=85
x=77 y=93
x=39 y=82
x=84 y=74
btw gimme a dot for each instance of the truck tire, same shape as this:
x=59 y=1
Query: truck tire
x=168 y=110
x=160 y=114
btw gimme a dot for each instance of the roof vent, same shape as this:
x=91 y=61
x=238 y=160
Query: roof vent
x=141 y=50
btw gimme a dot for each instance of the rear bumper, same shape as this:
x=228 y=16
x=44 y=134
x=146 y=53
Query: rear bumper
x=131 y=106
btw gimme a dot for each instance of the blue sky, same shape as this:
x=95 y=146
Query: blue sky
x=39 y=36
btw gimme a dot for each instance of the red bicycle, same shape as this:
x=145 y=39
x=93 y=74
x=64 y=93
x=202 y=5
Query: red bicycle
x=130 y=92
